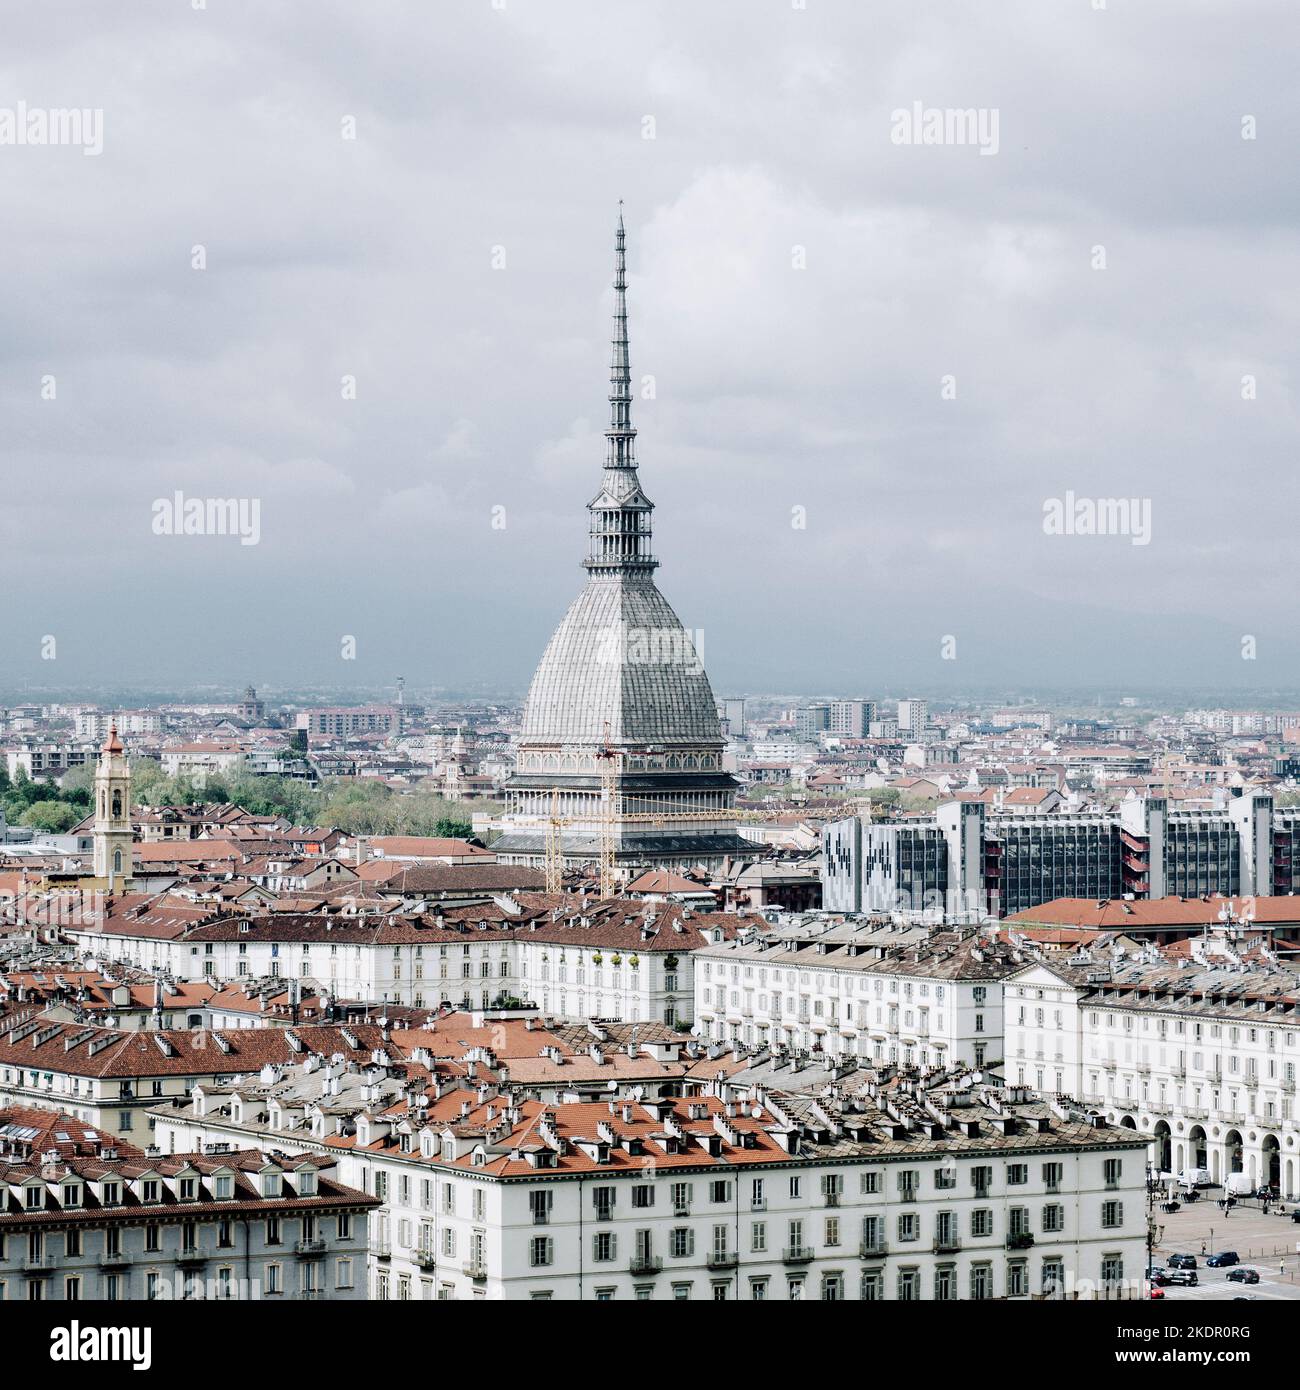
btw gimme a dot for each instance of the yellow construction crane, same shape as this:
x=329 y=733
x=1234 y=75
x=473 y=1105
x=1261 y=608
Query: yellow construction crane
x=611 y=761
x=609 y=816
x=553 y=861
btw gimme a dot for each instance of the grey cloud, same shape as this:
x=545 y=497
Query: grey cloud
x=775 y=387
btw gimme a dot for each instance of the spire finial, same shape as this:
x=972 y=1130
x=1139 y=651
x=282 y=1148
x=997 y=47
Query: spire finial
x=620 y=515
x=620 y=432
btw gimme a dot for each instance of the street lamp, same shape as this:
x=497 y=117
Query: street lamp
x=1154 y=1231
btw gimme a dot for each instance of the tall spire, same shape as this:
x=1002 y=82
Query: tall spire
x=621 y=435
x=620 y=512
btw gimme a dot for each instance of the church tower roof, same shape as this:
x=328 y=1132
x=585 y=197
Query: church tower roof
x=112 y=744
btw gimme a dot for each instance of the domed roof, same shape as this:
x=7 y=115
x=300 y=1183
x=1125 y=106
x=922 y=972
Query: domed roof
x=622 y=666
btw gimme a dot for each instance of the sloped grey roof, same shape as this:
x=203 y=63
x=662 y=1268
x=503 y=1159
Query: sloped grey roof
x=621 y=658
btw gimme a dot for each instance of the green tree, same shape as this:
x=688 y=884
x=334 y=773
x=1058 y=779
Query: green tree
x=52 y=816
x=77 y=779
x=886 y=796
x=146 y=777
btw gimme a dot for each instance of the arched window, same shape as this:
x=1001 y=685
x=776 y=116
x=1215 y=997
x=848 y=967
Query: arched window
x=117 y=804
x=117 y=861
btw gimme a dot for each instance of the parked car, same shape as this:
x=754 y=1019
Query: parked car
x=1184 y=1261
x=1155 y=1291
x=1158 y=1275
x=1244 y=1275
x=1181 y=1276
x=1195 y=1177
x=1221 y=1258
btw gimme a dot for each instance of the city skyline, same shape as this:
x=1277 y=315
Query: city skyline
x=647 y=658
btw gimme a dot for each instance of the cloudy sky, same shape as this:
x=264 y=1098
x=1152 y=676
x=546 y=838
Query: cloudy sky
x=801 y=287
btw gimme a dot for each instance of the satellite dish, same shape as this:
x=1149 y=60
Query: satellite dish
x=757 y=1112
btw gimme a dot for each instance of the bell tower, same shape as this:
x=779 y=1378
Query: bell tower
x=112 y=832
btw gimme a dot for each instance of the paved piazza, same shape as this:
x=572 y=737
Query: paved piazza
x=1269 y=1244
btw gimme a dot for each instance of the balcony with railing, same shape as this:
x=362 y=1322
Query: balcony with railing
x=191 y=1255
x=309 y=1249
x=873 y=1249
x=476 y=1268
x=645 y=1264
x=722 y=1259
x=947 y=1244
x=381 y=1249
x=1020 y=1240
x=797 y=1254
x=426 y=1257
